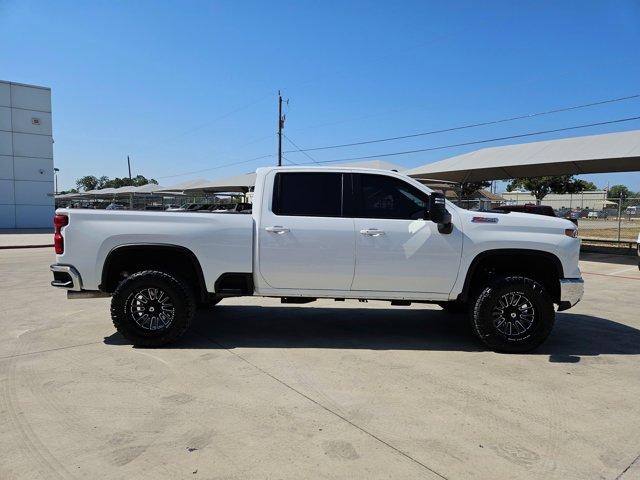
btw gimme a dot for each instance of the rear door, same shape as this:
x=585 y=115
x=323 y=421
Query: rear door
x=397 y=250
x=305 y=240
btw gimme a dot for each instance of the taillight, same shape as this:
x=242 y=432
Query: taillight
x=59 y=221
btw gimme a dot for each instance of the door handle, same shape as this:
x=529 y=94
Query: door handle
x=372 y=232
x=277 y=229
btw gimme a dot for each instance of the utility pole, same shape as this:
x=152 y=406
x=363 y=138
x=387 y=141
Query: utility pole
x=55 y=174
x=129 y=165
x=281 y=119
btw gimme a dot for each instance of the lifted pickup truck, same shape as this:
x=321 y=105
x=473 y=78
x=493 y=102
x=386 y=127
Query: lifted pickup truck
x=319 y=232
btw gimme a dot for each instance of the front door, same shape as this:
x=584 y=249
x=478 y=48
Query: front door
x=397 y=250
x=305 y=240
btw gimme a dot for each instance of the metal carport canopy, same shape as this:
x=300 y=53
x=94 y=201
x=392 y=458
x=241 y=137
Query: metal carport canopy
x=611 y=152
x=238 y=183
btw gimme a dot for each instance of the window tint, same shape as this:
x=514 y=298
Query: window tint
x=308 y=194
x=388 y=197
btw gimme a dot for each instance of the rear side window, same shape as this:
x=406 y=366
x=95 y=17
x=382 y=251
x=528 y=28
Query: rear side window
x=389 y=197
x=308 y=194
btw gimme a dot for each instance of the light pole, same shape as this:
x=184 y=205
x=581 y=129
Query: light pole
x=55 y=176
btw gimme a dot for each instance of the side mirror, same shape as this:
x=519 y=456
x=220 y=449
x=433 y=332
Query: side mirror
x=438 y=212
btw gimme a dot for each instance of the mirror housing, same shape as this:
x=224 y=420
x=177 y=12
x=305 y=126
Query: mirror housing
x=438 y=212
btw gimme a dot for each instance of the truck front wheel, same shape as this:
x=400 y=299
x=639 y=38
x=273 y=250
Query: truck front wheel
x=512 y=314
x=152 y=308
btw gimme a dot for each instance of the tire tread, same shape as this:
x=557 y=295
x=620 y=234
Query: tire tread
x=120 y=321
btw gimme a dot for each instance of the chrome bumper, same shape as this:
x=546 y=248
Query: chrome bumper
x=571 y=291
x=66 y=276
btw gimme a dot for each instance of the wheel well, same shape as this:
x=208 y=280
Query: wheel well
x=179 y=261
x=543 y=267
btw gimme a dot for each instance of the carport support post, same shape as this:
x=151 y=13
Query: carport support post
x=131 y=201
x=619 y=217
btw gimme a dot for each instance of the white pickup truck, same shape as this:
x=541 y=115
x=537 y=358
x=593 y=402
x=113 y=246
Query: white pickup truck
x=315 y=232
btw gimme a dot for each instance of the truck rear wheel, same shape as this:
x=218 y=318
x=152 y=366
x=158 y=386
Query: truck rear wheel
x=513 y=314
x=152 y=308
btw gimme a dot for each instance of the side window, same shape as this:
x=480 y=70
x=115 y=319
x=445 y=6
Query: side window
x=308 y=194
x=388 y=197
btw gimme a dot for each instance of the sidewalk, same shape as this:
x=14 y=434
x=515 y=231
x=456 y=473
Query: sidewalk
x=31 y=238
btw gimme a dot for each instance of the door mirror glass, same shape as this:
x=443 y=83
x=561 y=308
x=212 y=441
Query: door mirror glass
x=438 y=212
x=437 y=208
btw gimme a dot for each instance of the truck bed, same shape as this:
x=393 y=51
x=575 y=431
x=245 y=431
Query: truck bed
x=221 y=242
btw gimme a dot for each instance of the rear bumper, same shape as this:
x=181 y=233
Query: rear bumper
x=66 y=276
x=571 y=291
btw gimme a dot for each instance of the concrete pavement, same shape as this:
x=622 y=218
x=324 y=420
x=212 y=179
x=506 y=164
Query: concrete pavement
x=26 y=238
x=327 y=390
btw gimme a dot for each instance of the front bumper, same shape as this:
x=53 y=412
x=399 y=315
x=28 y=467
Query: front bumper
x=66 y=276
x=571 y=291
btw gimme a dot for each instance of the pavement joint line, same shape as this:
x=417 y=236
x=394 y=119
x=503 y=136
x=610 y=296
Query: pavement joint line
x=627 y=269
x=636 y=461
x=7 y=357
x=610 y=275
x=343 y=418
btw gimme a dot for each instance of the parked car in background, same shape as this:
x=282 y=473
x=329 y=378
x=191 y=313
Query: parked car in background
x=232 y=207
x=115 y=206
x=632 y=210
x=185 y=207
x=528 y=208
x=573 y=215
x=325 y=232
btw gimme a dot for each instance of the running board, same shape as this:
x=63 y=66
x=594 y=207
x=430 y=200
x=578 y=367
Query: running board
x=73 y=295
x=297 y=300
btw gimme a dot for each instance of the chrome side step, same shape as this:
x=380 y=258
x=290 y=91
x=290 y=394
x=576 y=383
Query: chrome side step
x=72 y=294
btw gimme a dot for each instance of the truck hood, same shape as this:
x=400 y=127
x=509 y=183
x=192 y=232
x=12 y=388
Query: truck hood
x=516 y=221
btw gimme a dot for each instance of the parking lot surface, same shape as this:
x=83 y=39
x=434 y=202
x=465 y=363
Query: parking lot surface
x=260 y=390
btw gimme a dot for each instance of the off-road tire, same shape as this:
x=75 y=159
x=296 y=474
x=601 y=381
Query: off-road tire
x=123 y=308
x=534 y=312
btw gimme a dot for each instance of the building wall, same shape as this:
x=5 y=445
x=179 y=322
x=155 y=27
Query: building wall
x=26 y=156
x=594 y=200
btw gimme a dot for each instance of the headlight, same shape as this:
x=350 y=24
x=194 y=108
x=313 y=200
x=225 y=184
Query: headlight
x=571 y=232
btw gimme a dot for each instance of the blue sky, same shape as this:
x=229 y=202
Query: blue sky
x=189 y=86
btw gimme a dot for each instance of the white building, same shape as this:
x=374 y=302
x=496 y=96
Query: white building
x=26 y=156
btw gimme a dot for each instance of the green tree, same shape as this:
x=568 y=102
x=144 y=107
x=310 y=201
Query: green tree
x=617 y=191
x=585 y=186
x=469 y=188
x=540 y=187
x=136 y=181
x=88 y=182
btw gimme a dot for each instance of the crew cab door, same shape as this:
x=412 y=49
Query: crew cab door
x=397 y=250
x=305 y=241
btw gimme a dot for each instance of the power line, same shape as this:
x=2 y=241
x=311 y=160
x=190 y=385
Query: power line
x=472 y=125
x=290 y=161
x=407 y=152
x=476 y=142
x=300 y=149
x=218 y=167
x=218 y=118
